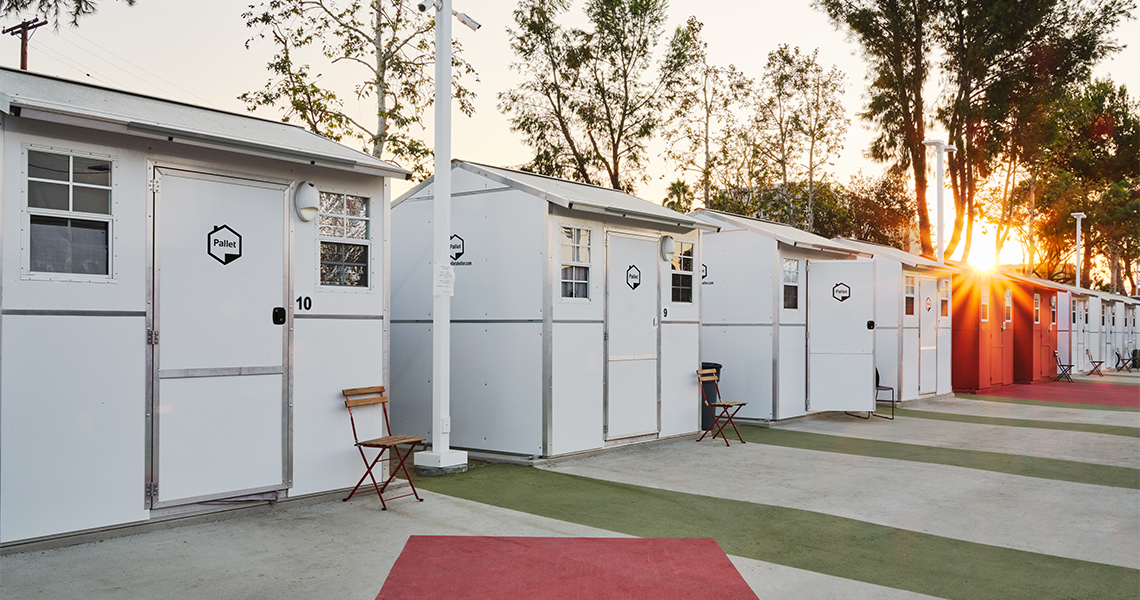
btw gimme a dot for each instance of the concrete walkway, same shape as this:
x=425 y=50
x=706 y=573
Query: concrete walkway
x=344 y=550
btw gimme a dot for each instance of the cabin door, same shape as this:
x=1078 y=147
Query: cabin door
x=841 y=337
x=631 y=336
x=928 y=335
x=219 y=409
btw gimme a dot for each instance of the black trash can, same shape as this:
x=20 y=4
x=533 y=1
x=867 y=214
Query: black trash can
x=709 y=388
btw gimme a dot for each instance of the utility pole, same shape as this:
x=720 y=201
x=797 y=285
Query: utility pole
x=1078 y=216
x=24 y=30
x=940 y=149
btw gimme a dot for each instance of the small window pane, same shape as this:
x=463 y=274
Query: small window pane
x=584 y=253
x=332 y=226
x=42 y=165
x=91 y=200
x=567 y=253
x=567 y=289
x=47 y=195
x=791 y=296
x=68 y=246
x=910 y=305
x=581 y=273
x=580 y=290
x=356 y=229
x=584 y=237
x=332 y=203
x=91 y=171
x=344 y=264
x=355 y=206
x=791 y=270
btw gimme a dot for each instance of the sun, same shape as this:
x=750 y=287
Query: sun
x=982 y=261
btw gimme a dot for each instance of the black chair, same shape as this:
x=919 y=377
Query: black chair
x=878 y=389
x=1062 y=369
x=1123 y=363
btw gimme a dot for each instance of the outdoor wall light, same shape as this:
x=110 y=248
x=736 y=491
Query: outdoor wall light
x=668 y=248
x=307 y=200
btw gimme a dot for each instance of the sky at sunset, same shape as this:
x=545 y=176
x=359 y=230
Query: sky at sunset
x=195 y=52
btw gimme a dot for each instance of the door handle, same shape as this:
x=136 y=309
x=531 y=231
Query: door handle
x=279 y=315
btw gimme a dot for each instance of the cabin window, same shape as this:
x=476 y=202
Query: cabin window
x=343 y=227
x=576 y=262
x=682 y=269
x=69 y=213
x=1009 y=306
x=1053 y=310
x=1114 y=316
x=791 y=283
x=1036 y=308
x=1102 y=310
x=944 y=297
x=985 y=303
x=908 y=293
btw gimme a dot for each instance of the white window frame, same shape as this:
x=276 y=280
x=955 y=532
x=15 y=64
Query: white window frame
x=793 y=282
x=370 y=268
x=676 y=270
x=1053 y=309
x=588 y=265
x=28 y=212
x=1036 y=308
x=944 y=298
x=1008 y=305
x=985 y=303
x=909 y=295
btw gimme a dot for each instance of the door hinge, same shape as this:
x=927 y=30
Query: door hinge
x=605 y=336
x=605 y=430
x=153 y=186
x=151 y=337
x=152 y=489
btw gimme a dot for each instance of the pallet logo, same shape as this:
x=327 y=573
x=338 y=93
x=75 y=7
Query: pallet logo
x=457 y=249
x=841 y=291
x=633 y=277
x=224 y=244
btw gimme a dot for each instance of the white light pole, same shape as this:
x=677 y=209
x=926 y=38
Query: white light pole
x=1078 y=216
x=939 y=169
x=441 y=458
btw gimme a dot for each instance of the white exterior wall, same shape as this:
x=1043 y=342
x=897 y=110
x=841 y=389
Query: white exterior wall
x=740 y=295
x=888 y=331
x=945 y=339
x=793 y=340
x=897 y=334
x=1065 y=342
x=88 y=339
x=497 y=317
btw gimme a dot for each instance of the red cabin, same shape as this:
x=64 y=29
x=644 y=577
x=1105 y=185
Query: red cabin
x=1034 y=329
x=983 y=332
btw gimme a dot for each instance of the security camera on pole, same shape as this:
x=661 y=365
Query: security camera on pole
x=939 y=148
x=441 y=459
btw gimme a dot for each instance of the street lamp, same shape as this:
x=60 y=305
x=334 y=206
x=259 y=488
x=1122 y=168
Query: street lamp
x=939 y=147
x=1078 y=216
x=441 y=458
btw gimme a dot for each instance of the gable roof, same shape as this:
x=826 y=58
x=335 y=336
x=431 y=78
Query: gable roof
x=902 y=256
x=785 y=234
x=570 y=195
x=31 y=95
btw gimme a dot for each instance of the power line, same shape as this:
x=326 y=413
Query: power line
x=74 y=65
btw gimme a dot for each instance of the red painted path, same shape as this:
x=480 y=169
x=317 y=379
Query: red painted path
x=1080 y=392
x=461 y=567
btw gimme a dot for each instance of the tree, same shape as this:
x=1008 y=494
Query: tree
x=679 y=197
x=388 y=42
x=881 y=209
x=1006 y=63
x=52 y=10
x=895 y=42
x=704 y=111
x=589 y=102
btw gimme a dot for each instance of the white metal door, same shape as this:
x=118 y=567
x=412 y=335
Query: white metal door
x=631 y=329
x=927 y=335
x=220 y=288
x=841 y=341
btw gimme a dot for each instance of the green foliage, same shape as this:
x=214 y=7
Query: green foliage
x=590 y=100
x=679 y=197
x=52 y=10
x=390 y=47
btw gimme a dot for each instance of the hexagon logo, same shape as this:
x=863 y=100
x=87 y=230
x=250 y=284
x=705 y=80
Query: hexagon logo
x=224 y=244
x=633 y=277
x=841 y=291
x=456 y=247
x=928 y=305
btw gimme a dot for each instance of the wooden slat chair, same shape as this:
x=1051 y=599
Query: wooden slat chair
x=727 y=410
x=356 y=397
x=1123 y=363
x=1095 y=370
x=1062 y=369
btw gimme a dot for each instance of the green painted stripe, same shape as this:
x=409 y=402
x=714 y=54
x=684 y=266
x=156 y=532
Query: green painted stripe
x=1032 y=423
x=1106 y=380
x=1014 y=464
x=1028 y=402
x=848 y=548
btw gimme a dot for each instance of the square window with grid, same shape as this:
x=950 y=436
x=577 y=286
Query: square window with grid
x=985 y=303
x=575 y=255
x=791 y=283
x=69 y=213
x=908 y=293
x=944 y=297
x=682 y=271
x=1009 y=306
x=1036 y=308
x=343 y=225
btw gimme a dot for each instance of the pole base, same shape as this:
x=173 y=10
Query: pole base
x=429 y=464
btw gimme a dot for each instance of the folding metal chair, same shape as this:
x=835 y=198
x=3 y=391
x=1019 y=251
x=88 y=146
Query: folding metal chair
x=356 y=397
x=1095 y=370
x=1123 y=363
x=1063 y=368
x=884 y=388
x=727 y=410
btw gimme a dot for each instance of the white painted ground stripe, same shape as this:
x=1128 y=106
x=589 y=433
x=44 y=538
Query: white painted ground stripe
x=1061 y=414
x=1095 y=448
x=1072 y=520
